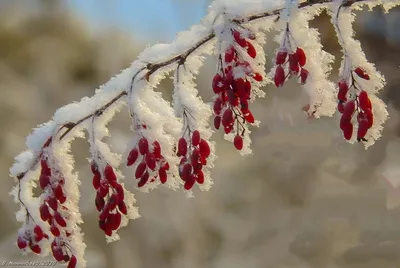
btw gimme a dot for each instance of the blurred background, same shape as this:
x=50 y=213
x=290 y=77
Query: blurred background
x=304 y=199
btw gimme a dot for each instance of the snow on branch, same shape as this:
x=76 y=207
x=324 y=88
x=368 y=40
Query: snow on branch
x=171 y=143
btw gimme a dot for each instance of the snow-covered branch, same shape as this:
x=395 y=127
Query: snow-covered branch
x=171 y=144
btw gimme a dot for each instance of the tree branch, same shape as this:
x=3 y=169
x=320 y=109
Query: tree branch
x=181 y=58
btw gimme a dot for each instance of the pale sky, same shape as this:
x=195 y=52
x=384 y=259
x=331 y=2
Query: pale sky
x=156 y=19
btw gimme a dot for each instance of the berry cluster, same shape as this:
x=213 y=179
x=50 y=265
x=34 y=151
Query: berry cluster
x=295 y=62
x=31 y=238
x=58 y=248
x=151 y=162
x=56 y=214
x=233 y=88
x=194 y=157
x=109 y=198
x=360 y=104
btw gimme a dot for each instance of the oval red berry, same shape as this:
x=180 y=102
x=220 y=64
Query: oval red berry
x=238 y=142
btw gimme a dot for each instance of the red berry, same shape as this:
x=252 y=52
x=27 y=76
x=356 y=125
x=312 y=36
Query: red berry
x=251 y=50
x=162 y=173
x=141 y=168
x=59 y=219
x=218 y=84
x=227 y=117
x=248 y=116
x=204 y=149
x=109 y=173
x=62 y=199
x=217 y=106
x=44 y=181
x=132 y=157
x=165 y=165
x=363 y=127
x=104 y=227
x=113 y=202
x=182 y=147
x=348 y=131
x=58 y=193
x=54 y=230
x=238 y=142
x=239 y=87
x=104 y=213
x=195 y=138
x=94 y=167
x=233 y=100
x=21 y=243
x=99 y=201
x=57 y=253
x=189 y=182
x=301 y=56
x=349 y=109
x=122 y=207
x=344 y=121
x=114 y=220
x=303 y=75
x=258 y=77
x=340 y=107
x=197 y=167
x=364 y=101
x=143 y=146
x=120 y=191
x=342 y=95
x=247 y=91
x=195 y=157
x=183 y=161
x=151 y=161
x=44 y=212
x=35 y=248
x=369 y=116
x=279 y=77
x=143 y=180
x=229 y=54
x=217 y=122
x=228 y=129
x=200 y=177
x=343 y=86
x=240 y=40
x=244 y=105
x=38 y=233
x=293 y=63
x=96 y=181
x=103 y=190
x=53 y=203
x=45 y=168
x=281 y=57
x=361 y=73
x=186 y=171
x=72 y=262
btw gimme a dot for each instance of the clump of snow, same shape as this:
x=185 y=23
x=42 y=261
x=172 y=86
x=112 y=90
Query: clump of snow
x=353 y=57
